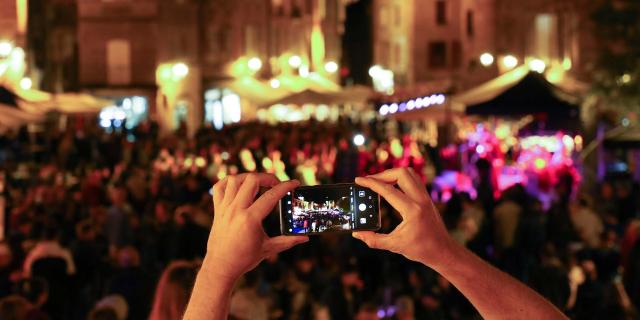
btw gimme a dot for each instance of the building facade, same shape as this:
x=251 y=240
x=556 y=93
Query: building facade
x=437 y=44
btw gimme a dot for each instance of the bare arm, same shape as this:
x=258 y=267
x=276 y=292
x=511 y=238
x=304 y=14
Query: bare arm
x=423 y=237
x=237 y=242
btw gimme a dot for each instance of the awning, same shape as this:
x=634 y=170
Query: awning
x=254 y=90
x=533 y=94
x=623 y=138
x=40 y=102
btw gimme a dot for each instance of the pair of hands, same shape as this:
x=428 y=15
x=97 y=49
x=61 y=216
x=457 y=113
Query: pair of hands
x=238 y=243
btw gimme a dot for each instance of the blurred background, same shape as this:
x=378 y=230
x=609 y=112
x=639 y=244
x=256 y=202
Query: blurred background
x=117 y=117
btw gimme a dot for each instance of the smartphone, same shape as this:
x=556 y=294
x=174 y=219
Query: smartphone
x=344 y=207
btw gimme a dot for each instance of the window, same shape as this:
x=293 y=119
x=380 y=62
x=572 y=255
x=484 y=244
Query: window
x=456 y=54
x=470 y=27
x=437 y=54
x=118 y=62
x=441 y=12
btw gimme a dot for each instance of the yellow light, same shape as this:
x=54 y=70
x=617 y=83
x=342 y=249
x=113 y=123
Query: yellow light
x=304 y=71
x=537 y=65
x=317 y=46
x=331 y=67
x=626 y=78
x=486 y=59
x=26 y=83
x=295 y=61
x=275 y=83
x=567 y=64
x=180 y=70
x=510 y=61
x=201 y=162
x=5 y=48
x=255 y=64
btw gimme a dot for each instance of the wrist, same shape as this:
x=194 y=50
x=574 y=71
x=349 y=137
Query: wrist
x=213 y=271
x=448 y=255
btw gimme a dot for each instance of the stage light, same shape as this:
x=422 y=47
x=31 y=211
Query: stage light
x=275 y=83
x=486 y=59
x=295 y=61
x=358 y=140
x=331 y=67
x=411 y=104
x=393 y=108
x=26 y=83
x=255 y=64
x=180 y=70
x=419 y=103
x=510 y=61
x=537 y=65
x=440 y=99
x=384 y=109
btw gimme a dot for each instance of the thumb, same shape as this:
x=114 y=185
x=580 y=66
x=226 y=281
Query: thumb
x=282 y=243
x=372 y=239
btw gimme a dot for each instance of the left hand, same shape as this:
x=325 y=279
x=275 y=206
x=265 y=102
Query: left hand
x=237 y=242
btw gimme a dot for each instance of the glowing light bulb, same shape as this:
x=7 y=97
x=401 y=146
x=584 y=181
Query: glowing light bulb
x=486 y=59
x=255 y=64
x=295 y=61
x=331 y=67
x=510 y=61
x=358 y=139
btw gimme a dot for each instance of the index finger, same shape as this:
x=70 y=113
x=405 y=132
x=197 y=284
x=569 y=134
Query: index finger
x=395 y=197
x=406 y=180
x=269 y=199
x=251 y=185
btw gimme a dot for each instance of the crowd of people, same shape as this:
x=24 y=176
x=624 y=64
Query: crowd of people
x=113 y=225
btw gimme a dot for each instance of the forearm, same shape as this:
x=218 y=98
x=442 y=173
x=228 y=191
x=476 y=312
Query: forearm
x=211 y=295
x=495 y=294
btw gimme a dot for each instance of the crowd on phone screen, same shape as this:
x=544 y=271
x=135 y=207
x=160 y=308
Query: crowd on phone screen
x=112 y=226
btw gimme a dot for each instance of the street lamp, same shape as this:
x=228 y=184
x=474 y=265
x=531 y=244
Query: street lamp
x=486 y=59
x=509 y=61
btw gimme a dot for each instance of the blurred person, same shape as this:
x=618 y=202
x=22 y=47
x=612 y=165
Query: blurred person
x=117 y=225
x=344 y=297
x=36 y=291
x=173 y=290
x=506 y=216
x=587 y=224
x=404 y=309
x=49 y=247
x=132 y=282
x=14 y=307
x=6 y=269
x=103 y=313
x=367 y=311
x=116 y=303
x=247 y=302
x=238 y=244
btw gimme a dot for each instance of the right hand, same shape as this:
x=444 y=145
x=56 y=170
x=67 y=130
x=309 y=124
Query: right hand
x=421 y=236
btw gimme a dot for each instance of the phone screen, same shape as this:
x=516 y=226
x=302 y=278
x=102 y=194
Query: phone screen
x=329 y=208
